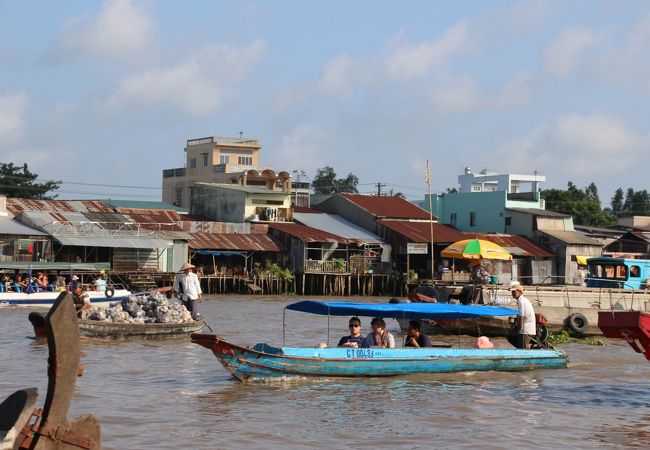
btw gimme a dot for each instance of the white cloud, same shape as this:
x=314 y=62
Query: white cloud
x=304 y=148
x=197 y=85
x=12 y=111
x=563 y=54
x=459 y=93
x=577 y=146
x=121 y=30
x=411 y=61
x=336 y=77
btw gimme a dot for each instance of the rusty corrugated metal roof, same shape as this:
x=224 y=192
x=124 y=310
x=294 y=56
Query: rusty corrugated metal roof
x=246 y=242
x=163 y=215
x=16 y=205
x=511 y=241
x=420 y=232
x=308 y=234
x=395 y=207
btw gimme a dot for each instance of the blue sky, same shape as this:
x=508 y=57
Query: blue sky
x=107 y=93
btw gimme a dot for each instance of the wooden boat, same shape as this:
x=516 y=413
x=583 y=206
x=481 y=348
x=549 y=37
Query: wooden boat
x=632 y=326
x=45 y=299
x=110 y=330
x=24 y=427
x=263 y=361
x=571 y=308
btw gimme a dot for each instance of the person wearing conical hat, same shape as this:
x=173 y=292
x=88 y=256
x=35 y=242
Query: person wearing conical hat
x=187 y=283
x=526 y=318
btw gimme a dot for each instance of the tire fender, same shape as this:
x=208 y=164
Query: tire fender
x=577 y=323
x=110 y=292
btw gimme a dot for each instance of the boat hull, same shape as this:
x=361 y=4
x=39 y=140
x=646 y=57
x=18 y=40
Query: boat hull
x=263 y=362
x=632 y=326
x=47 y=299
x=110 y=330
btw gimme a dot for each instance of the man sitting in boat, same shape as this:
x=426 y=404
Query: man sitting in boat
x=479 y=274
x=354 y=340
x=100 y=283
x=81 y=299
x=414 y=338
x=380 y=337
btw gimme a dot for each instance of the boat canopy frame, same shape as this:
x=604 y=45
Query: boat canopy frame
x=438 y=311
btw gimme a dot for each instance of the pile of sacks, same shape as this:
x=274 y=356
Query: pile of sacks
x=142 y=309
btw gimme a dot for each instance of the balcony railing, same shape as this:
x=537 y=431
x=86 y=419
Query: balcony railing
x=312 y=266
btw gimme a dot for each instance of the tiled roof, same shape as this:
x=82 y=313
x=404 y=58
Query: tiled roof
x=517 y=245
x=16 y=205
x=395 y=207
x=308 y=234
x=420 y=232
x=246 y=242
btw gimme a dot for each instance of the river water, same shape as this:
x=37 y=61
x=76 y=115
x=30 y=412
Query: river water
x=174 y=394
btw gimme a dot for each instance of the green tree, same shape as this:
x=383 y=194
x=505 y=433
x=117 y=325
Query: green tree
x=617 y=203
x=637 y=203
x=325 y=182
x=583 y=205
x=16 y=181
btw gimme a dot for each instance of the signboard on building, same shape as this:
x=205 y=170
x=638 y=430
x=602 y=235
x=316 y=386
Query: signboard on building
x=417 y=249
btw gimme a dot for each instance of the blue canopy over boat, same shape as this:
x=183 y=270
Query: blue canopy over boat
x=401 y=310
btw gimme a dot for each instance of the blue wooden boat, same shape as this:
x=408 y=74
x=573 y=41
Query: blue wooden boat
x=262 y=361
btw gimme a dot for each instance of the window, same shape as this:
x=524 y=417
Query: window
x=453 y=219
x=205 y=159
x=193 y=163
x=508 y=221
x=472 y=219
x=179 y=196
x=635 y=271
x=245 y=160
x=224 y=159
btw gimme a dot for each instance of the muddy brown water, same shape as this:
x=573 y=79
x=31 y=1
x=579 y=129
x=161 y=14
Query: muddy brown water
x=173 y=394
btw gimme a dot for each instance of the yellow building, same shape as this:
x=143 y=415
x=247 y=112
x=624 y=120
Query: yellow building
x=223 y=160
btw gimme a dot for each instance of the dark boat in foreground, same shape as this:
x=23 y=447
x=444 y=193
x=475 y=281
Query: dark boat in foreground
x=263 y=362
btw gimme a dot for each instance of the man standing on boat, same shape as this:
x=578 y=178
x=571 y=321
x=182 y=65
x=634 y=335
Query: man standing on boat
x=526 y=318
x=188 y=284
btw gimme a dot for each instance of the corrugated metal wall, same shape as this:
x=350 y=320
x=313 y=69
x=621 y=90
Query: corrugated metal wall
x=126 y=259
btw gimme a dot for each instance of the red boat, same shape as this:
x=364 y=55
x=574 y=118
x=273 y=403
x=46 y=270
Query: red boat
x=633 y=326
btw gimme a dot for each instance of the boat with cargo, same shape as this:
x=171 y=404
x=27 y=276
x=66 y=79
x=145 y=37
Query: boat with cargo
x=611 y=284
x=33 y=297
x=263 y=361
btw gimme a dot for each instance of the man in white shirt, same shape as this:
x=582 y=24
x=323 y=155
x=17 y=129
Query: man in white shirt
x=188 y=284
x=526 y=318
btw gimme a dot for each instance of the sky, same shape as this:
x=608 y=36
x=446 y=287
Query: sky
x=104 y=95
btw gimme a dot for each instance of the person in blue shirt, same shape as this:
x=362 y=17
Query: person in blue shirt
x=355 y=339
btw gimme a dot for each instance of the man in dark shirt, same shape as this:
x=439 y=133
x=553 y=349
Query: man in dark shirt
x=355 y=339
x=414 y=338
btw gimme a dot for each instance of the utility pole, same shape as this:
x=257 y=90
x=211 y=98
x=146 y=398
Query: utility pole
x=379 y=186
x=427 y=178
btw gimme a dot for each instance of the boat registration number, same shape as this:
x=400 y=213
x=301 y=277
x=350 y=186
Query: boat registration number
x=362 y=353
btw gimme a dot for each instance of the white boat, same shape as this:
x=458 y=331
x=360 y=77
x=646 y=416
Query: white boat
x=45 y=299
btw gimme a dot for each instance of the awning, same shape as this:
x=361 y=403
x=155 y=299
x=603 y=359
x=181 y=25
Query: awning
x=115 y=242
x=401 y=310
x=582 y=260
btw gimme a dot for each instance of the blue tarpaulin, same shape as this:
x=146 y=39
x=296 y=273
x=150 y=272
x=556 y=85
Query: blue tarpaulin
x=402 y=310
